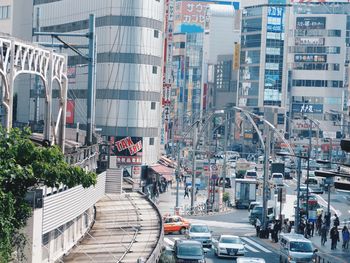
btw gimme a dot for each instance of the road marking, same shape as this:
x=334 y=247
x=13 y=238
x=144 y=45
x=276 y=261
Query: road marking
x=253 y=243
x=251 y=248
x=170 y=242
x=325 y=204
x=286 y=185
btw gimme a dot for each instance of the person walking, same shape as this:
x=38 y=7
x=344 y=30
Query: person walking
x=323 y=233
x=334 y=237
x=346 y=237
x=186 y=192
x=257 y=226
x=336 y=220
x=319 y=224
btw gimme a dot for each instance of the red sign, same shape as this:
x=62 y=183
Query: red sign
x=127 y=143
x=70 y=111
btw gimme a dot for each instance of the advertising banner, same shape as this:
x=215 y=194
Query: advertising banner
x=310 y=58
x=307 y=108
x=70 y=111
x=128 y=150
x=312 y=22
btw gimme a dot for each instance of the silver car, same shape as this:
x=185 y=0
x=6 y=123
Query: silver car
x=201 y=233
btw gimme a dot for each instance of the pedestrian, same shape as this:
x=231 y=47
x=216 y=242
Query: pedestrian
x=196 y=191
x=276 y=229
x=323 y=234
x=346 y=237
x=284 y=228
x=319 y=224
x=186 y=192
x=257 y=226
x=334 y=237
x=336 y=220
x=271 y=229
x=312 y=229
x=327 y=220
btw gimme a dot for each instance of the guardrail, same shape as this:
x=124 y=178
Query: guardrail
x=154 y=257
x=326 y=258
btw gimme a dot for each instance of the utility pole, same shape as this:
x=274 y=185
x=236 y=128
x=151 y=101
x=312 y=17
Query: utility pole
x=194 y=148
x=91 y=80
x=266 y=176
x=225 y=153
x=178 y=168
x=308 y=169
x=36 y=78
x=329 y=185
x=297 y=212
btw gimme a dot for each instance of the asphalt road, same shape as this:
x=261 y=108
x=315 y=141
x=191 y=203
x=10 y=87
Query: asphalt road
x=234 y=223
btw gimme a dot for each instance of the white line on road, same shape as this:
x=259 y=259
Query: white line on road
x=325 y=203
x=251 y=248
x=286 y=185
x=170 y=242
x=251 y=242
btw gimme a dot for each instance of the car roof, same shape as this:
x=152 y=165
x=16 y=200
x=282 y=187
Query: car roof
x=198 y=224
x=187 y=242
x=295 y=237
x=229 y=236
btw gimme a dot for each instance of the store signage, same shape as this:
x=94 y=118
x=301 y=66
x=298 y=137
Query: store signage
x=311 y=22
x=127 y=149
x=307 y=108
x=310 y=58
x=314 y=41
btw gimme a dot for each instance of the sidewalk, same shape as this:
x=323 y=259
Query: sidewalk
x=167 y=201
x=339 y=255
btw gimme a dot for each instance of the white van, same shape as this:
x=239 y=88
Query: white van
x=296 y=248
x=277 y=178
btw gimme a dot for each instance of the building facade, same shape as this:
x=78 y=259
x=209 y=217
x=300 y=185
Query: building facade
x=318 y=68
x=129 y=71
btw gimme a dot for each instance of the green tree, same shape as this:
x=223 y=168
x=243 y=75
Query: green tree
x=25 y=166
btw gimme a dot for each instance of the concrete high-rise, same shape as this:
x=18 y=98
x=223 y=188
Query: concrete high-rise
x=129 y=70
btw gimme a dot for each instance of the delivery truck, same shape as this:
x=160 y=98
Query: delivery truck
x=245 y=192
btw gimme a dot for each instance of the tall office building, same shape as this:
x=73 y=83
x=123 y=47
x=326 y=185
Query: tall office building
x=262 y=79
x=129 y=70
x=319 y=36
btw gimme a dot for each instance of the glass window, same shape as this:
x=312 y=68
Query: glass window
x=251 y=25
x=4 y=12
x=154 y=69
x=151 y=141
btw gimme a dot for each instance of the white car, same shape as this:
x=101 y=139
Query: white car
x=228 y=246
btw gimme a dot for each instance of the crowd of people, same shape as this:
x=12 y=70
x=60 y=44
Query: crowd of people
x=308 y=230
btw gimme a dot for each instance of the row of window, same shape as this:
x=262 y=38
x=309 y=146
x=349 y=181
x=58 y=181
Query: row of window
x=314 y=49
x=317 y=100
x=5 y=12
x=317 y=83
x=316 y=66
x=317 y=32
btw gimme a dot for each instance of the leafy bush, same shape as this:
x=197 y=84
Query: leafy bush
x=25 y=166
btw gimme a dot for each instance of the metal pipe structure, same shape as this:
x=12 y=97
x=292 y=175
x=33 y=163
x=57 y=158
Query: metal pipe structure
x=308 y=170
x=225 y=153
x=266 y=177
x=297 y=212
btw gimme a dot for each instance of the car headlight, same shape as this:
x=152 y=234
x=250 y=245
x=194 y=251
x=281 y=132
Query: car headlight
x=291 y=260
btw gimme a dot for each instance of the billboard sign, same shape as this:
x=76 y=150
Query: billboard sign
x=310 y=58
x=312 y=22
x=70 y=111
x=307 y=108
x=275 y=19
x=315 y=41
x=127 y=149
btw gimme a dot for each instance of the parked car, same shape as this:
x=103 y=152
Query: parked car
x=175 y=224
x=189 y=251
x=228 y=246
x=201 y=233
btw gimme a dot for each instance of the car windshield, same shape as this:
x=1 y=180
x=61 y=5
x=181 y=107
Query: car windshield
x=199 y=229
x=300 y=247
x=257 y=209
x=277 y=176
x=189 y=250
x=251 y=174
x=230 y=240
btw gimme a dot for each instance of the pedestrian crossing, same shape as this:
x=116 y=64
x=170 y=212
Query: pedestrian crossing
x=250 y=244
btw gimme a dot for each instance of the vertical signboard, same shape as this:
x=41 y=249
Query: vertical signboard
x=70 y=111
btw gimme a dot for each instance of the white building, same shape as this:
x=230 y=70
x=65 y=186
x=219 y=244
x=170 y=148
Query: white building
x=129 y=70
x=317 y=64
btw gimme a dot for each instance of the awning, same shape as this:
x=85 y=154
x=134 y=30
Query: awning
x=164 y=171
x=167 y=162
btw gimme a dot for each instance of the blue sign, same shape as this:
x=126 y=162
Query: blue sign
x=307 y=108
x=275 y=19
